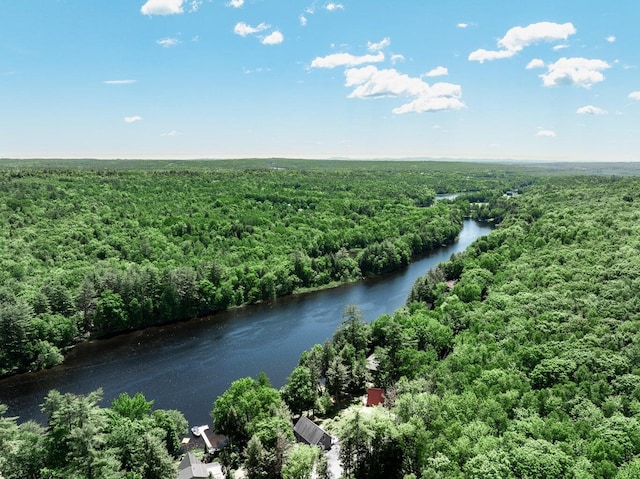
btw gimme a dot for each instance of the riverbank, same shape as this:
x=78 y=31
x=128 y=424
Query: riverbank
x=63 y=351
x=204 y=355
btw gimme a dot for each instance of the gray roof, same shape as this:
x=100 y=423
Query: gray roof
x=309 y=431
x=191 y=468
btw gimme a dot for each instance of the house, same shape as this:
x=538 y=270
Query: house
x=375 y=396
x=191 y=468
x=307 y=431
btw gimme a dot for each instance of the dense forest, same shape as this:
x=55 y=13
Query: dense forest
x=519 y=358
x=91 y=249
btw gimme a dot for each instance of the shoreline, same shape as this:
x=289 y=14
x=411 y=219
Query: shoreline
x=297 y=293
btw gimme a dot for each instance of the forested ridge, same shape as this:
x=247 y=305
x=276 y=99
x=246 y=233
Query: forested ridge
x=94 y=248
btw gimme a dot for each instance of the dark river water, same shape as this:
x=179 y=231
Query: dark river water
x=185 y=366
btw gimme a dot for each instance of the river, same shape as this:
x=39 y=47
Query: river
x=185 y=366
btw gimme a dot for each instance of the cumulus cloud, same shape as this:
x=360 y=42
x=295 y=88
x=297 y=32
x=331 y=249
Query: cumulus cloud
x=581 y=72
x=168 y=42
x=236 y=3
x=375 y=47
x=132 y=119
x=611 y=39
x=119 y=82
x=243 y=29
x=334 y=6
x=369 y=82
x=590 y=110
x=345 y=60
x=546 y=133
x=162 y=7
x=303 y=20
x=462 y=25
x=437 y=72
x=535 y=63
x=517 y=38
x=634 y=95
x=274 y=38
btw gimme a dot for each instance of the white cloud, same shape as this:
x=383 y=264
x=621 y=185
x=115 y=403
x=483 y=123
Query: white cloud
x=274 y=38
x=369 y=82
x=162 y=7
x=334 y=6
x=303 y=20
x=243 y=29
x=345 y=60
x=535 y=63
x=171 y=133
x=375 y=47
x=119 y=82
x=581 y=72
x=590 y=110
x=236 y=3
x=195 y=5
x=168 y=42
x=462 y=25
x=611 y=39
x=483 y=55
x=546 y=133
x=517 y=38
x=397 y=58
x=634 y=95
x=437 y=72
x=562 y=46
x=132 y=119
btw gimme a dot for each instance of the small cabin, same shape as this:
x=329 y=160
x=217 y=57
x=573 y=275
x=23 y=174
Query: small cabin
x=375 y=396
x=309 y=432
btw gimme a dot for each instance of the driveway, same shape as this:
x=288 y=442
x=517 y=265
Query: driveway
x=333 y=460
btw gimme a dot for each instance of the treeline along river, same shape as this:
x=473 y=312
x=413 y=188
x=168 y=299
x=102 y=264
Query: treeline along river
x=185 y=366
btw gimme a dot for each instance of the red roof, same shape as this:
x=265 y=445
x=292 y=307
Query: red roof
x=375 y=396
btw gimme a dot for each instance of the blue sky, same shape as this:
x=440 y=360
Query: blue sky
x=548 y=80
